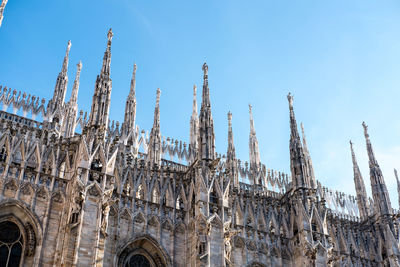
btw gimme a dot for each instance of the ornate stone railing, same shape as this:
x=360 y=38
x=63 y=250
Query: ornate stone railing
x=338 y=202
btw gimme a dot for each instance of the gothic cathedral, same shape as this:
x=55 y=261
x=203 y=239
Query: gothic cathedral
x=79 y=190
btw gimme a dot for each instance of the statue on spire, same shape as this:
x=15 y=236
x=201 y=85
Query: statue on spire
x=109 y=36
x=205 y=69
x=66 y=58
x=290 y=99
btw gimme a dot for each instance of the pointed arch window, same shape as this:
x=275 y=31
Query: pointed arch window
x=138 y=260
x=155 y=196
x=3 y=154
x=139 y=192
x=11 y=244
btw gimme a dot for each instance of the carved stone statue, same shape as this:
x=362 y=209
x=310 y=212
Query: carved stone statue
x=227 y=241
x=104 y=218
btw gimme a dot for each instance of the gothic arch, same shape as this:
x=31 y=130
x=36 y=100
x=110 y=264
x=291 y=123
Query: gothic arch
x=256 y=264
x=145 y=247
x=29 y=226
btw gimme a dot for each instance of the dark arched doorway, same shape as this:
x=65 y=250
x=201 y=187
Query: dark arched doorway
x=138 y=260
x=143 y=251
x=11 y=244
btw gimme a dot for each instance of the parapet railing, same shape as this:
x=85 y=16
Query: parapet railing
x=338 y=202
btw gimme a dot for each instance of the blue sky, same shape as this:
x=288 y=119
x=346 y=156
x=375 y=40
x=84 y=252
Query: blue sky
x=340 y=60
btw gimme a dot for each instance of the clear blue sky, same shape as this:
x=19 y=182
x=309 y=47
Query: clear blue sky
x=340 y=60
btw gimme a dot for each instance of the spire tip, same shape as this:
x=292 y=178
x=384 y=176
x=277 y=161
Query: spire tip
x=365 y=129
x=205 y=68
x=110 y=34
x=290 y=99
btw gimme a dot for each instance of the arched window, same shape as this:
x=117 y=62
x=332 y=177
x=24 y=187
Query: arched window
x=11 y=244
x=3 y=154
x=154 y=197
x=139 y=192
x=138 y=261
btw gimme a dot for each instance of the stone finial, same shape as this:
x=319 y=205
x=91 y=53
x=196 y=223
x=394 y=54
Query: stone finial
x=133 y=81
x=365 y=129
x=75 y=89
x=205 y=69
x=290 y=99
x=252 y=128
x=158 y=97
x=66 y=58
x=229 y=119
x=110 y=36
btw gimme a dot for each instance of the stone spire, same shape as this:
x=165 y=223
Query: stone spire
x=105 y=69
x=102 y=93
x=154 y=148
x=206 y=150
x=231 y=153
x=75 y=88
x=308 y=159
x=130 y=107
x=298 y=165
x=379 y=190
x=362 y=198
x=69 y=123
x=398 y=184
x=194 y=122
x=254 y=152
x=58 y=100
x=2 y=7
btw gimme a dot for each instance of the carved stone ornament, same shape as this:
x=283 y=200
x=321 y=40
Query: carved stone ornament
x=153 y=221
x=57 y=197
x=251 y=245
x=139 y=218
x=31 y=240
x=125 y=215
x=263 y=248
x=93 y=191
x=238 y=241
x=167 y=225
x=112 y=212
x=180 y=228
x=41 y=193
x=26 y=190
x=11 y=185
